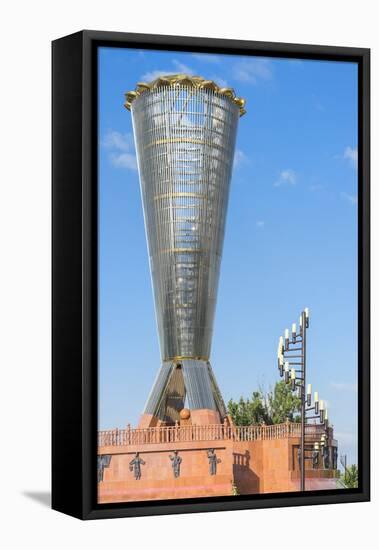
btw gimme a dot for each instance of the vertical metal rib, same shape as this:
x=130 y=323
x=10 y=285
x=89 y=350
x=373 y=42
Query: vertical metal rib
x=198 y=385
x=217 y=396
x=157 y=393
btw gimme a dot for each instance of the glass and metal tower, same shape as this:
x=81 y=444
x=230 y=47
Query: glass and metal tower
x=184 y=130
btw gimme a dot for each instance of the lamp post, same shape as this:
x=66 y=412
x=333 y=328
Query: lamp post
x=292 y=363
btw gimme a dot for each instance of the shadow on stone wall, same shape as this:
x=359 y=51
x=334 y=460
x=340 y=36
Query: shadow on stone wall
x=246 y=480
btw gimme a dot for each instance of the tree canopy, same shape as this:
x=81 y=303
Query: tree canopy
x=273 y=407
x=350 y=477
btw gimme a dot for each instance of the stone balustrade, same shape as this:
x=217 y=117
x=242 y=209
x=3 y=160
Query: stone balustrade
x=212 y=432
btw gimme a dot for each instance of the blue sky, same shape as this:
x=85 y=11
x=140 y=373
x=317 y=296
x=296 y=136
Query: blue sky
x=291 y=232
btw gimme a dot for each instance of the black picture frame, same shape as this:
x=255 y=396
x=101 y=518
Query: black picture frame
x=74 y=273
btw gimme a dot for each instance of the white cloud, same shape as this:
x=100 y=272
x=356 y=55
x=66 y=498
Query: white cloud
x=252 y=70
x=207 y=58
x=286 y=177
x=124 y=160
x=152 y=75
x=352 y=199
x=351 y=155
x=178 y=68
x=239 y=158
x=260 y=223
x=219 y=80
x=344 y=386
x=121 y=149
x=181 y=68
x=116 y=140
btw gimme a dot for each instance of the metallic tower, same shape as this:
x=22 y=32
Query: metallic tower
x=184 y=130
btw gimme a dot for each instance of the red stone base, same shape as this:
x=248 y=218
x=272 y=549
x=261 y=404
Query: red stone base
x=157 y=476
x=262 y=466
x=203 y=417
x=148 y=421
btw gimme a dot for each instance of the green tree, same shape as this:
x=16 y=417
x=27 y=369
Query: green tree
x=273 y=407
x=282 y=403
x=350 y=478
x=248 y=411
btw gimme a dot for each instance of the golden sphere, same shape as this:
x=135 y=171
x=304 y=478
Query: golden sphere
x=185 y=414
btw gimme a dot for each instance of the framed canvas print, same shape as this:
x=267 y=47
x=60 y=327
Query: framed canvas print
x=210 y=274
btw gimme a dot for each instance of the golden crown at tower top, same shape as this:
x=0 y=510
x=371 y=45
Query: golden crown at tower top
x=184 y=80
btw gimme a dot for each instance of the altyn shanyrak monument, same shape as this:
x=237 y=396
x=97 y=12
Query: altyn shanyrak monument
x=185 y=132
x=185 y=444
